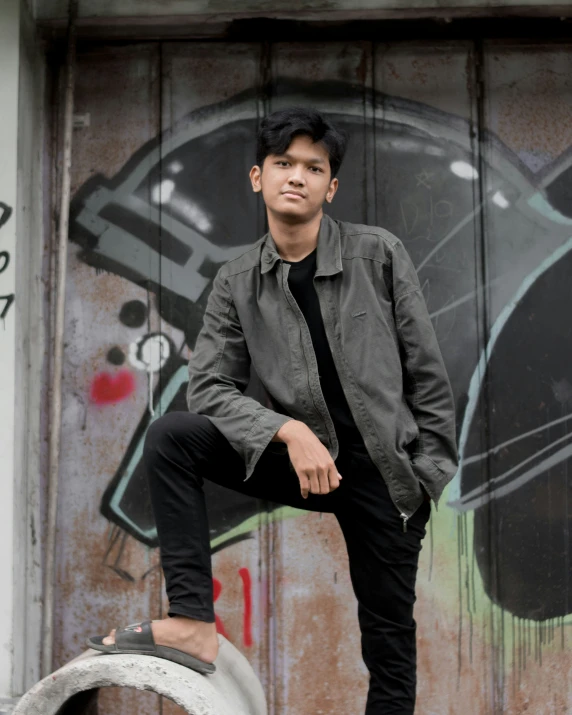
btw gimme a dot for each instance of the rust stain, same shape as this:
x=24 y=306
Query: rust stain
x=318 y=632
x=390 y=66
x=532 y=103
x=118 y=90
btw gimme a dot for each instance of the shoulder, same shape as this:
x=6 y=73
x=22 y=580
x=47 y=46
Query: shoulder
x=247 y=261
x=373 y=242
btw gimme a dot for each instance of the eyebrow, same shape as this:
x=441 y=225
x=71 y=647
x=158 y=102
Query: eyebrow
x=313 y=160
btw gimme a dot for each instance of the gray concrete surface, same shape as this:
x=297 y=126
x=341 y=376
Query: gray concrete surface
x=7 y=705
x=233 y=690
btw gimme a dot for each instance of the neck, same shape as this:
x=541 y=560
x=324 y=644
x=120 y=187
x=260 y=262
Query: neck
x=294 y=241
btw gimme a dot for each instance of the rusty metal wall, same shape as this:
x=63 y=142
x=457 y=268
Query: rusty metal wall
x=463 y=152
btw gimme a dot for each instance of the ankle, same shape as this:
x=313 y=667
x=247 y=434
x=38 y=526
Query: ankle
x=192 y=624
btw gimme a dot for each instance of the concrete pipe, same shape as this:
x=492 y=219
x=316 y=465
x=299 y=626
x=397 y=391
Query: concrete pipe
x=233 y=689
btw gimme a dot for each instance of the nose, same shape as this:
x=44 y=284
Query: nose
x=297 y=177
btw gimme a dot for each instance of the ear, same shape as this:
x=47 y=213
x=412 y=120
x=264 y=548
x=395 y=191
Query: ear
x=255 y=177
x=332 y=190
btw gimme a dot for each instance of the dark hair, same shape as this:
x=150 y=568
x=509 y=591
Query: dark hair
x=278 y=129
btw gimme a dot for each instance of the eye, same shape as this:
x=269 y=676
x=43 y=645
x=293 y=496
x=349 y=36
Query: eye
x=316 y=169
x=281 y=162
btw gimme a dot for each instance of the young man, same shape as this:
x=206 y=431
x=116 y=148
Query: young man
x=332 y=318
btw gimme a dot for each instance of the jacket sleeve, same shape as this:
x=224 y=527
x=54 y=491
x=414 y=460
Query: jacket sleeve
x=427 y=388
x=219 y=371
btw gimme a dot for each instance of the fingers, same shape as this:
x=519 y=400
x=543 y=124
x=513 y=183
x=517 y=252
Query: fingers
x=321 y=480
x=304 y=485
x=329 y=479
x=316 y=482
x=333 y=478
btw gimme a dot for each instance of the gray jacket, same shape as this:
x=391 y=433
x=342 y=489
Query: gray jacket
x=382 y=342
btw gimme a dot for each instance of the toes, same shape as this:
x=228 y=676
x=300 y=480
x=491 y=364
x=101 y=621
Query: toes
x=110 y=639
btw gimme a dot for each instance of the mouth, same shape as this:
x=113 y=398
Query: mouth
x=292 y=195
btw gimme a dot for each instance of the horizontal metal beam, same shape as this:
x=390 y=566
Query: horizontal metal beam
x=204 y=11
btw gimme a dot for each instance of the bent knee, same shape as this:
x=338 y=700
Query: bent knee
x=172 y=427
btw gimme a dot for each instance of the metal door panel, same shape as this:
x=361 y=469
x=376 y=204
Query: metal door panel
x=105 y=577
x=475 y=184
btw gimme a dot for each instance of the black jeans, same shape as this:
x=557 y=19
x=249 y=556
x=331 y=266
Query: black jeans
x=182 y=449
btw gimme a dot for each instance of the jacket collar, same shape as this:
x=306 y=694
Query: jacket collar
x=328 y=260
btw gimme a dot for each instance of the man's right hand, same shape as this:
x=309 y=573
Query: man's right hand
x=312 y=462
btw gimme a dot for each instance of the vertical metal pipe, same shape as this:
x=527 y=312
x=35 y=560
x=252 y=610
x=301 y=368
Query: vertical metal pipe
x=56 y=386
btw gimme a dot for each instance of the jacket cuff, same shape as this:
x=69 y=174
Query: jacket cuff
x=260 y=436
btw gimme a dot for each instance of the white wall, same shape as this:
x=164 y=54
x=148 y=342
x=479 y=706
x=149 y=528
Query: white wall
x=21 y=349
x=29 y=358
x=9 y=71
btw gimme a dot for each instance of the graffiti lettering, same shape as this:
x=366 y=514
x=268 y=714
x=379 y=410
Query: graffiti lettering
x=246 y=579
x=5 y=213
x=247 y=595
x=217 y=589
x=424 y=178
x=6 y=300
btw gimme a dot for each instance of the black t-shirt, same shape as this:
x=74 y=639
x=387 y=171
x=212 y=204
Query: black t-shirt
x=301 y=283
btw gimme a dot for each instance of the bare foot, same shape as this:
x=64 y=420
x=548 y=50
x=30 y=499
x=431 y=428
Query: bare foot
x=196 y=638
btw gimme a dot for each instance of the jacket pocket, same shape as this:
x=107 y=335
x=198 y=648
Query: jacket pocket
x=428 y=473
x=407 y=429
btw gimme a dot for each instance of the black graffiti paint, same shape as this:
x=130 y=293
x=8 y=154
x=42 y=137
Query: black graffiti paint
x=5 y=300
x=525 y=501
x=126 y=500
x=5 y=213
x=425 y=194
x=133 y=314
x=7 y=303
x=116 y=356
x=5 y=258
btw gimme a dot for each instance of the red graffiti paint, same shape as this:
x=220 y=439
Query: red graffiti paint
x=107 y=388
x=244 y=574
x=217 y=588
x=247 y=594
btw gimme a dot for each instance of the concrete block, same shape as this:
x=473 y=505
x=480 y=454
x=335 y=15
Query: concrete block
x=233 y=689
x=7 y=705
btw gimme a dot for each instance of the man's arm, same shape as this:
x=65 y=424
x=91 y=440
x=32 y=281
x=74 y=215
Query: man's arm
x=219 y=370
x=427 y=388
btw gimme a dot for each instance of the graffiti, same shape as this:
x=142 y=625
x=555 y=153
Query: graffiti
x=5 y=300
x=8 y=300
x=107 y=389
x=530 y=460
x=117 y=543
x=165 y=224
x=246 y=580
x=5 y=258
x=5 y=213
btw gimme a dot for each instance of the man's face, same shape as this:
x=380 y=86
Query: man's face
x=295 y=184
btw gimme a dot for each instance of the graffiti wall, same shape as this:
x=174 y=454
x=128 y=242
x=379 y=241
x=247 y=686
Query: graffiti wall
x=6 y=300
x=469 y=164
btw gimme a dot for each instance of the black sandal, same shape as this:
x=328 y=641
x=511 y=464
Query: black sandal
x=138 y=638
